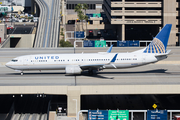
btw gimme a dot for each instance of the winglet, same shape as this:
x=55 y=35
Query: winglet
x=114 y=58
x=109 y=50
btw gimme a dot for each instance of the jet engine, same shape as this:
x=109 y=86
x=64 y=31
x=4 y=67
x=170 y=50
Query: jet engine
x=73 y=69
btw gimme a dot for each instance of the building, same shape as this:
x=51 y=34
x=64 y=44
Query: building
x=24 y=3
x=131 y=20
x=143 y=19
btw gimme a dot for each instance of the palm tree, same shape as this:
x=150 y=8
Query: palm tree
x=78 y=9
x=85 y=7
x=81 y=15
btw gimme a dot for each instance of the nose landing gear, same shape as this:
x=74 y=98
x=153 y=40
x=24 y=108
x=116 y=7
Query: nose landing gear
x=22 y=73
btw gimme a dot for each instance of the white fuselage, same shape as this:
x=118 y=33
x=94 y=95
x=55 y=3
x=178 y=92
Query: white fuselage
x=60 y=61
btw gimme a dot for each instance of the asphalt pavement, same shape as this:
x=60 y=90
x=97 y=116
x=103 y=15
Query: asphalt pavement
x=21 y=29
x=161 y=73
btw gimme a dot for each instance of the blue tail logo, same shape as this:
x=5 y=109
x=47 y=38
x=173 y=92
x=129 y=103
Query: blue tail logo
x=159 y=43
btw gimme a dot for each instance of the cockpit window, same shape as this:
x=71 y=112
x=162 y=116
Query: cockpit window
x=14 y=60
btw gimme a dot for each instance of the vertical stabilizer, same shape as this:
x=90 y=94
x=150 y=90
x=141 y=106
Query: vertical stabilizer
x=159 y=43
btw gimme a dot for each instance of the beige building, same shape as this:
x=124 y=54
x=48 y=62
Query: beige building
x=150 y=15
x=3 y=32
x=130 y=20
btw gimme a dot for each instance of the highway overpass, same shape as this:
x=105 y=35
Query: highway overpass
x=155 y=79
x=49 y=24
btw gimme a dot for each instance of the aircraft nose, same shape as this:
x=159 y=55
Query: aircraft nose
x=8 y=65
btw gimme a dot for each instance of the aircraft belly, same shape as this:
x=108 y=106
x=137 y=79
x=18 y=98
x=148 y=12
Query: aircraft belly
x=121 y=66
x=43 y=67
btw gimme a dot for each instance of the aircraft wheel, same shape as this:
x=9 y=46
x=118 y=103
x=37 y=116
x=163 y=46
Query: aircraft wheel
x=22 y=73
x=91 y=72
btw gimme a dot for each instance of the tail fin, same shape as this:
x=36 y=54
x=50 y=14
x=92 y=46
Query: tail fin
x=159 y=43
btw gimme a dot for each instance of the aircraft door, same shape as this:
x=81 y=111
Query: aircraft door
x=144 y=59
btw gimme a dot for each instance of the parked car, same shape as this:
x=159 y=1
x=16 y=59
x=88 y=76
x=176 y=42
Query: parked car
x=71 y=21
x=35 y=19
x=9 y=27
x=91 y=33
x=99 y=33
x=31 y=21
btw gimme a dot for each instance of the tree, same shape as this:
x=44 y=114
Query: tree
x=79 y=8
x=85 y=7
x=64 y=43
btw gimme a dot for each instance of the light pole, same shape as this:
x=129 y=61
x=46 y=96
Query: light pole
x=75 y=37
x=11 y=13
x=179 y=39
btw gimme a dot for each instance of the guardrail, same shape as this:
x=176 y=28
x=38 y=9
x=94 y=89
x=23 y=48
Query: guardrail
x=136 y=12
x=135 y=21
x=132 y=111
x=5 y=42
x=135 y=4
x=117 y=43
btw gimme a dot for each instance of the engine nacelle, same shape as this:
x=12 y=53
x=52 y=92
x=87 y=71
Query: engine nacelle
x=74 y=69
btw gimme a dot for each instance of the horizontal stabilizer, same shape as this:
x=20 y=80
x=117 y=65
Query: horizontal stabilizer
x=160 y=54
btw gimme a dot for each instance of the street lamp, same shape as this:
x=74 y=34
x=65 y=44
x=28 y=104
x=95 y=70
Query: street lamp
x=179 y=38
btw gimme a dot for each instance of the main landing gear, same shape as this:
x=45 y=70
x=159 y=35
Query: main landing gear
x=22 y=73
x=91 y=72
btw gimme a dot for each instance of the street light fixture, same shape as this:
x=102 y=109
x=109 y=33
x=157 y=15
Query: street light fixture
x=179 y=39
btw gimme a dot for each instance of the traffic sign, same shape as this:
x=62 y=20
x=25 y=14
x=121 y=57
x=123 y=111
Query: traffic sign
x=157 y=115
x=88 y=43
x=79 y=34
x=0 y=3
x=118 y=115
x=97 y=114
x=100 y=43
x=154 y=106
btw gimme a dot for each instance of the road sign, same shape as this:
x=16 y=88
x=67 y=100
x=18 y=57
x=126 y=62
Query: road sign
x=88 y=43
x=0 y=3
x=96 y=15
x=79 y=34
x=122 y=43
x=100 y=43
x=154 y=106
x=97 y=114
x=118 y=115
x=157 y=115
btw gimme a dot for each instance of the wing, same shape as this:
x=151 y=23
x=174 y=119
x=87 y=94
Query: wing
x=92 y=66
x=98 y=66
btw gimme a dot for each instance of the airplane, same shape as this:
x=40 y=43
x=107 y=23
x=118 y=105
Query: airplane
x=76 y=63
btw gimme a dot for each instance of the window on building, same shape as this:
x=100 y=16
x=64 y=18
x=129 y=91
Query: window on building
x=73 y=6
x=93 y=6
x=90 y=7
